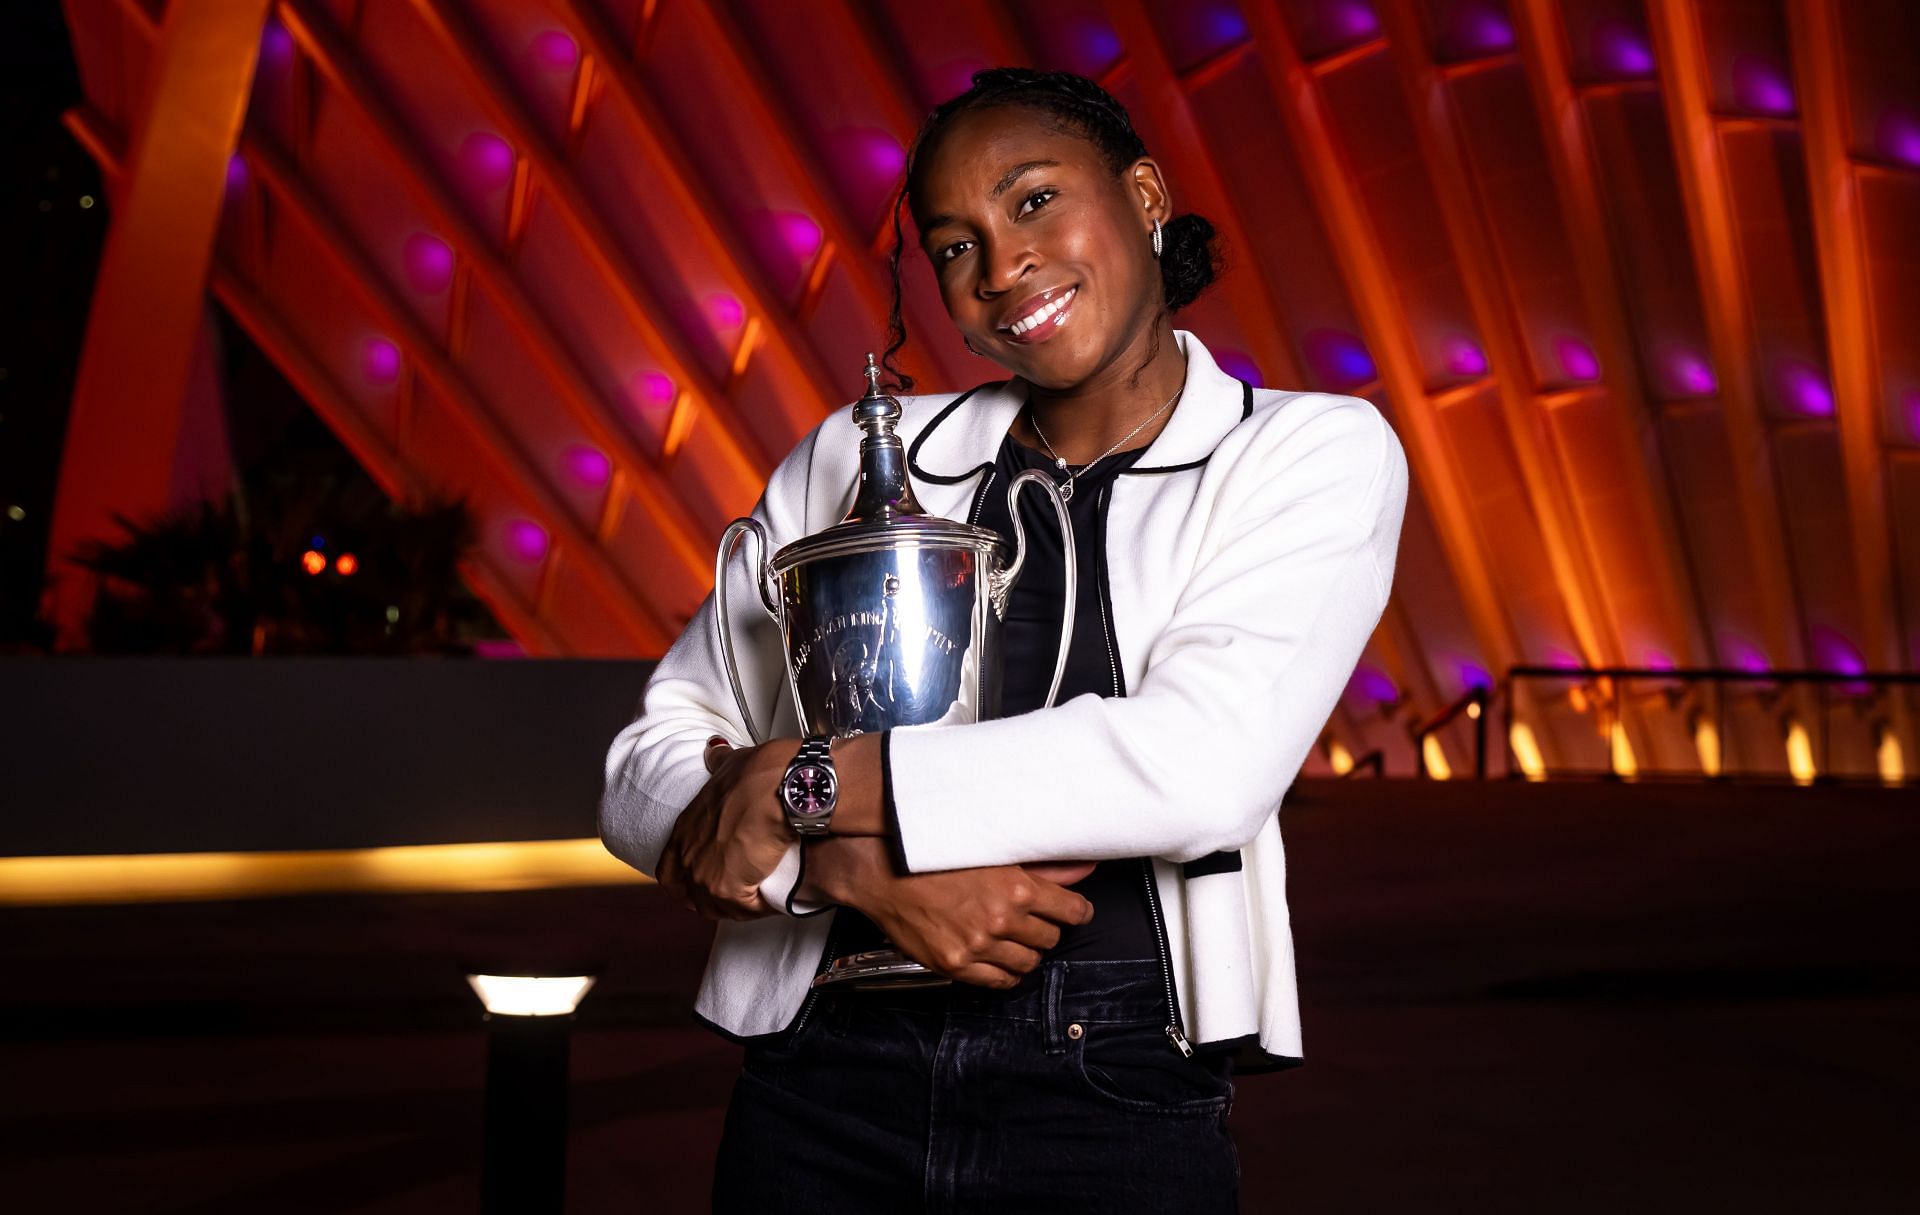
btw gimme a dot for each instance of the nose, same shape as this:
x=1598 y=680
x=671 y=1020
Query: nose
x=1003 y=263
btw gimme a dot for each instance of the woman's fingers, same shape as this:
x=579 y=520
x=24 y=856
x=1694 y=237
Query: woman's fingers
x=1035 y=932
x=1059 y=904
x=1061 y=873
x=1012 y=956
x=983 y=974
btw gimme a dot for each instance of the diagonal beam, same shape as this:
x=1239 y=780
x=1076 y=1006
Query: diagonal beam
x=716 y=235
x=598 y=238
x=1841 y=239
x=1576 y=173
x=1250 y=295
x=1363 y=264
x=1703 y=186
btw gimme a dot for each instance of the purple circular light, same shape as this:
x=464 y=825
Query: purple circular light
x=1688 y=374
x=276 y=46
x=379 y=361
x=1898 y=135
x=526 y=539
x=1751 y=660
x=1619 y=49
x=429 y=263
x=1473 y=675
x=654 y=390
x=875 y=153
x=556 y=49
x=236 y=173
x=1222 y=27
x=1098 y=45
x=1658 y=661
x=486 y=160
x=1563 y=659
x=1835 y=653
x=1807 y=388
x=1485 y=29
x=1339 y=357
x=725 y=310
x=1760 y=86
x=589 y=464
x=1236 y=364
x=798 y=233
x=1577 y=359
x=1375 y=684
x=1465 y=358
x=1352 y=19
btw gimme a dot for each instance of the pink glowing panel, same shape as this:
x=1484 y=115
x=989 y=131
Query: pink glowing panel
x=379 y=361
x=1564 y=660
x=498 y=648
x=798 y=233
x=1577 y=359
x=1375 y=684
x=1473 y=675
x=1236 y=364
x=555 y=49
x=1833 y=652
x=725 y=310
x=588 y=465
x=1621 y=50
x=236 y=173
x=486 y=161
x=1898 y=136
x=1465 y=358
x=1352 y=19
x=526 y=540
x=1686 y=373
x=653 y=391
x=1483 y=28
x=429 y=263
x=1339 y=357
x=1658 y=661
x=1747 y=658
x=874 y=153
x=1806 y=389
x=1760 y=85
x=276 y=47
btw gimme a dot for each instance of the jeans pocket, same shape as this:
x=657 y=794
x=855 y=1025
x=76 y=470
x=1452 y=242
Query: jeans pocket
x=777 y=1055
x=1134 y=1067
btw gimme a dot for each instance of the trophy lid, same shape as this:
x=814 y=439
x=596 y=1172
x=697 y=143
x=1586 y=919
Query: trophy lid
x=884 y=513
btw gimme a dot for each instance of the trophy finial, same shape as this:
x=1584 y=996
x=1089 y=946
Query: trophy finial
x=884 y=493
x=873 y=376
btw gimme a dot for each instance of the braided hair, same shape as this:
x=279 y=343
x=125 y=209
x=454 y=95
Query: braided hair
x=1189 y=258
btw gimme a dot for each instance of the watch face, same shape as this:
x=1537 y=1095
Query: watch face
x=809 y=789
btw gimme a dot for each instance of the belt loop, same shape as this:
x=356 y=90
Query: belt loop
x=1053 y=980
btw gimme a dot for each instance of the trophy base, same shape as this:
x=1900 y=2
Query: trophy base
x=876 y=968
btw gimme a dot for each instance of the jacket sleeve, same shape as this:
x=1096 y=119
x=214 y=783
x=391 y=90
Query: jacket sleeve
x=655 y=765
x=1291 y=578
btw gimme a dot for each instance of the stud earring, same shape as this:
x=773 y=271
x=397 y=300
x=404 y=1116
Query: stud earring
x=1156 y=238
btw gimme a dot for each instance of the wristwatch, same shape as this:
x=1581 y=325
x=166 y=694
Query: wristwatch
x=810 y=789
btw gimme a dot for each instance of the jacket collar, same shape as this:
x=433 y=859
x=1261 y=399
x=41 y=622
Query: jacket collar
x=963 y=439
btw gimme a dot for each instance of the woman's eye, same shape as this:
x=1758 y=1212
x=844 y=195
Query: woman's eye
x=1040 y=194
x=954 y=250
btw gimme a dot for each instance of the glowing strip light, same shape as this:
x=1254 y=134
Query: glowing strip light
x=1800 y=754
x=1526 y=751
x=528 y=996
x=1624 y=764
x=1437 y=766
x=1893 y=768
x=29 y=881
x=1706 y=740
x=1339 y=758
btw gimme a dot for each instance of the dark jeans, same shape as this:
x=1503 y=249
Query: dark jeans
x=1063 y=1094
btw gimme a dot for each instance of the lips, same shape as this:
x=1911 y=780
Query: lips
x=1038 y=317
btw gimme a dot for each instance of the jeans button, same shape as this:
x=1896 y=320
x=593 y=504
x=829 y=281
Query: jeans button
x=1074 y=1031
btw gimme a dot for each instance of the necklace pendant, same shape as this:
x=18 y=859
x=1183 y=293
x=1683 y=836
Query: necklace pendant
x=1066 y=490
x=1060 y=462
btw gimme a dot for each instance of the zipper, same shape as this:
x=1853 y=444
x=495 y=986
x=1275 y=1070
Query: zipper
x=1174 y=1030
x=980 y=499
x=827 y=955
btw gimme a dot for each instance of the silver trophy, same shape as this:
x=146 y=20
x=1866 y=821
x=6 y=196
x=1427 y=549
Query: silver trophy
x=891 y=617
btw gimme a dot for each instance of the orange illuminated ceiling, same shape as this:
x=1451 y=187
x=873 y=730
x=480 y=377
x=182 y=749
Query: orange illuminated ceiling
x=1637 y=284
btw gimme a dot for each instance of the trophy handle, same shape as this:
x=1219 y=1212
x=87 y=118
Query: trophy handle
x=1001 y=580
x=723 y=621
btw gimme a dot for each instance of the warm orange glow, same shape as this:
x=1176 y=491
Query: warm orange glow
x=1706 y=741
x=1436 y=758
x=313 y=561
x=27 y=881
x=1887 y=756
x=1339 y=757
x=347 y=563
x=1526 y=751
x=1799 y=753
x=1623 y=763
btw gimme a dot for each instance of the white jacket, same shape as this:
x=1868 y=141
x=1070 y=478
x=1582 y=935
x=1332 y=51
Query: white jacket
x=1249 y=555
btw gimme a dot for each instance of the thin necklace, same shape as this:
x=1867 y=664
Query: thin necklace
x=1060 y=462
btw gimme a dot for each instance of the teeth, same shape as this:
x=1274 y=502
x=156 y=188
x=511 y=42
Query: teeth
x=1042 y=313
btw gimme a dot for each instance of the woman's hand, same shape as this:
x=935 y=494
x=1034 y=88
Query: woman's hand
x=732 y=835
x=982 y=926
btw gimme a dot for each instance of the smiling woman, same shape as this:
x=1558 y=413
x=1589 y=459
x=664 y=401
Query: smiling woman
x=1101 y=874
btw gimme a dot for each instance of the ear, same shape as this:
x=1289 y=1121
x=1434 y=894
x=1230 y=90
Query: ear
x=1149 y=190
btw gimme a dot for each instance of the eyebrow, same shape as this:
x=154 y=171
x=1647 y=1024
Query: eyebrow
x=1005 y=183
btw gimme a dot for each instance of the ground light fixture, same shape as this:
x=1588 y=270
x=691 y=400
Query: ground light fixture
x=529 y=1024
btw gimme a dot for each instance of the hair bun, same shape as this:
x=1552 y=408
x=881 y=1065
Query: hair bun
x=1189 y=259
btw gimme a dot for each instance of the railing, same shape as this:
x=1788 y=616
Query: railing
x=1425 y=734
